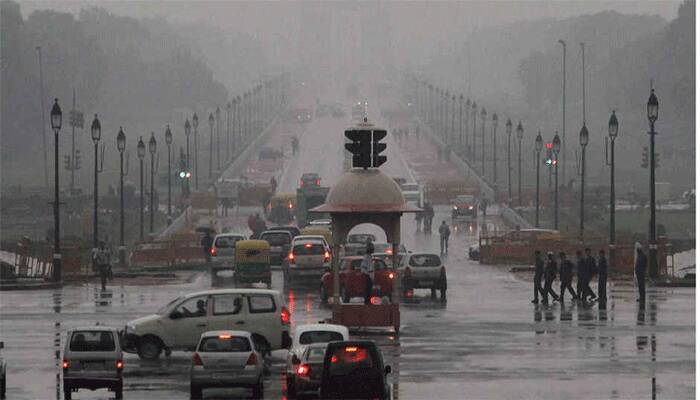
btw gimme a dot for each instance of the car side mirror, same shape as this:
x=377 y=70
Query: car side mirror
x=295 y=360
x=175 y=315
x=387 y=369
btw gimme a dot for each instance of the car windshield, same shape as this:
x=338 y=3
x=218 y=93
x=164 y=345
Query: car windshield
x=166 y=307
x=319 y=337
x=276 y=239
x=224 y=344
x=226 y=241
x=92 y=341
x=305 y=249
x=425 y=260
x=348 y=359
x=360 y=238
x=465 y=199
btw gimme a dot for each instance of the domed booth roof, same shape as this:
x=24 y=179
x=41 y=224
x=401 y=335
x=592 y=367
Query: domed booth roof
x=365 y=191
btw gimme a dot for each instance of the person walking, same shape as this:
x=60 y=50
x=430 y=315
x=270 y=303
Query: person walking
x=591 y=270
x=602 y=279
x=640 y=271
x=550 y=274
x=537 y=279
x=428 y=217
x=419 y=219
x=103 y=260
x=206 y=243
x=273 y=185
x=566 y=275
x=444 y=231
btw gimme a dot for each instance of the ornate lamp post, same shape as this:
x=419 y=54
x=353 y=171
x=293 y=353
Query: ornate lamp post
x=56 y=121
x=474 y=113
x=218 y=135
x=452 y=122
x=509 y=131
x=652 y=115
x=211 y=146
x=152 y=150
x=188 y=131
x=169 y=142
x=483 y=142
x=195 y=124
x=121 y=146
x=466 y=129
x=96 y=133
x=494 y=121
x=612 y=134
x=460 y=130
x=538 y=151
x=519 y=135
x=228 y=131
x=583 y=139
x=141 y=153
x=556 y=146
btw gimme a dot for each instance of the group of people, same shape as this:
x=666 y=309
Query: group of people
x=586 y=267
x=425 y=218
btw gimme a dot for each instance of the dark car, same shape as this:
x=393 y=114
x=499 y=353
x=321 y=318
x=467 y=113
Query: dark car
x=293 y=230
x=354 y=370
x=279 y=245
x=310 y=179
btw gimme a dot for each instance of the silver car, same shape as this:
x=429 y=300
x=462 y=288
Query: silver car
x=223 y=247
x=226 y=359
x=93 y=359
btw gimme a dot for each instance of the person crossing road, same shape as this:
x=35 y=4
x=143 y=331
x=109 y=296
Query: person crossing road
x=444 y=231
x=539 y=274
x=550 y=274
x=566 y=275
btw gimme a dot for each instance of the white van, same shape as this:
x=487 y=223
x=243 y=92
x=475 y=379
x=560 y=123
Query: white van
x=93 y=359
x=180 y=324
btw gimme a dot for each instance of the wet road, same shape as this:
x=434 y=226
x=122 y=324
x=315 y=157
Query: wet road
x=487 y=341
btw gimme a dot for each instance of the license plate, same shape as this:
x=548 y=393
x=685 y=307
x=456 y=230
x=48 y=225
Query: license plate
x=92 y=365
x=221 y=376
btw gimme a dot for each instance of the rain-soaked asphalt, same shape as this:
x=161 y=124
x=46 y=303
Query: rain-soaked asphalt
x=487 y=342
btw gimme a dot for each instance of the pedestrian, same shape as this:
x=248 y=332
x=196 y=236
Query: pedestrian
x=591 y=270
x=273 y=185
x=419 y=220
x=103 y=260
x=428 y=217
x=444 y=232
x=537 y=279
x=566 y=275
x=550 y=274
x=602 y=279
x=640 y=271
x=206 y=245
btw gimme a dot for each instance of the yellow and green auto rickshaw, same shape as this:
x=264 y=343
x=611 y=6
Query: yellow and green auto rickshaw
x=252 y=263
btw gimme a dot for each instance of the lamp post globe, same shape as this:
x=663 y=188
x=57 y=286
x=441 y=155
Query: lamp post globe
x=613 y=126
x=509 y=126
x=168 y=136
x=583 y=136
x=121 y=140
x=152 y=144
x=519 y=130
x=556 y=143
x=96 y=129
x=56 y=117
x=652 y=107
x=538 y=142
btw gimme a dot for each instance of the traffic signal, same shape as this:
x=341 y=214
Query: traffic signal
x=378 y=148
x=66 y=163
x=645 y=157
x=361 y=147
x=549 y=155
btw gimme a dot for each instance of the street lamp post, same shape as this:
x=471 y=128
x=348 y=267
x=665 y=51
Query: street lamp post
x=519 y=135
x=96 y=133
x=461 y=133
x=583 y=138
x=141 y=153
x=152 y=150
x=538 y=151
x=169 y=142
x=556 y=146
x=56 y=120
x=239 y=119
x=121 y=146
x=509 y=131
x=612 y=133
x=228 y=131
x=466 y=130
x=474 y=112
x=211 y=145
x=188 y=130
x=652 y=115
x=195 y=124
x=483 y=142
x=218 y=136
x=494 y=120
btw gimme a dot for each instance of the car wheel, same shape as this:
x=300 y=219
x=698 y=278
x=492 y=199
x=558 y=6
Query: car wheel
x=149 y=348
x=344 y=295
x=324 y=294
x=195 y=392
x=258 y=390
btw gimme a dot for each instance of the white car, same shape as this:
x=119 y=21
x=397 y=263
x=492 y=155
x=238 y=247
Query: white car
x=304 y=336
x=226 y=359
x=180 y=324
x=356 y=244
x=93 y=359
x=309 y=256
x=223 y=248
x=424 y=271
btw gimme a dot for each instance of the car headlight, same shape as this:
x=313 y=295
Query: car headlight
x=454 y=208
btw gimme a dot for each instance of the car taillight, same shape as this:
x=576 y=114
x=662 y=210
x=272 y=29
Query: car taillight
x=318 y=182
x=388 y=251
x=66 y=364
x=391 y=275
x=303 y=370
x=291 y=256
x=326 y=256
x=285 y=316
x=213 y=251
x=197 y=360
x=290 y=205
x=120 y=364
x=252 y=359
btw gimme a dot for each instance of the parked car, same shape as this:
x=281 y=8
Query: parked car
x=353 y=283
x=223 y=248
x=309 y=256
x=356 y=243
x=465 y=207
x=226 y=358
x=93 y=359
x=180 y=323
x=424 y=271
x=3 y=372
x=280 y=242
x=293 y=230
x=303 y=380
x=310 y=179
x=354 y=370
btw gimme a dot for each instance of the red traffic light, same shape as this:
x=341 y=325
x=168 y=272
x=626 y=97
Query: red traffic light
x=549 y=145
